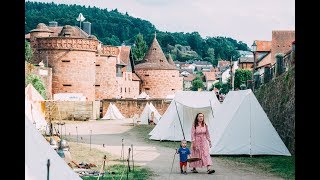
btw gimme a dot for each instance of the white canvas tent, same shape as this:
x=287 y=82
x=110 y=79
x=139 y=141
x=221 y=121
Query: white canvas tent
x=176 y=122
x=113 y=113
x=147 y=114
x=33 y=101
x=242 y=127
x=143 y=95
x=37 y=153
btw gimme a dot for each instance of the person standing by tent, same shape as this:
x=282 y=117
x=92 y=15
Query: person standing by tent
x=200 y=143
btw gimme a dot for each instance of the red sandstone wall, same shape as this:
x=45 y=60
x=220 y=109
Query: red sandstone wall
x=160 y=82
x=105 y=77
x=129 y=107
x=79 y=72
x=281 y=43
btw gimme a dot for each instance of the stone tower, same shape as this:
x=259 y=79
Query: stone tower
x=70 y=54
x=159 y=77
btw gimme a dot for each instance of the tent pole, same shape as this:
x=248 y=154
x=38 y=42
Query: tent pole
x=48 y=168
x=179 y=120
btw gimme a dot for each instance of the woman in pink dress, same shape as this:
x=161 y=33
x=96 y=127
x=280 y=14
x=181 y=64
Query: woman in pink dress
x=201 y=142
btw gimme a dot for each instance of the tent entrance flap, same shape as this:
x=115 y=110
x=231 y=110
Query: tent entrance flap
x=184 y=137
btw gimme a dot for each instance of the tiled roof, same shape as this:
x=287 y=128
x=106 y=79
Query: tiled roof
x=155 y=58
x=124 y=54
x=246 y=59
x=223 y=63
x=265 y=61
x=210 y=76
x=191 y=77
x=263 y=45
x=135 y=77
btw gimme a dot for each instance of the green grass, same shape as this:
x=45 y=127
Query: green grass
x=281 y=166
x=120 y=172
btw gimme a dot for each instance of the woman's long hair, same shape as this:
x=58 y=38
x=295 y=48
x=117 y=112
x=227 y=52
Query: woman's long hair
x=196 y=121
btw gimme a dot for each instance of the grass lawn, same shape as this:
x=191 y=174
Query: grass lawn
x=81 y=153
x=281 y=166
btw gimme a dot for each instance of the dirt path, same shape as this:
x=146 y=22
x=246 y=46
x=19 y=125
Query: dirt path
x=158 y=158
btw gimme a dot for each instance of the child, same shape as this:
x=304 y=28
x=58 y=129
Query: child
x=184 y=153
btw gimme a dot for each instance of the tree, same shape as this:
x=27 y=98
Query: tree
x=241 y=77
x=37 y=83
x=196 y=84
x=211 y=57
x=140 y=48
x=27 y=52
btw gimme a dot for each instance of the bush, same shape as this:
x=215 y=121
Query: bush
x=37 y=83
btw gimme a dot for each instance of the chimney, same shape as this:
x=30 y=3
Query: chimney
x=86 y=27
x=53 y=24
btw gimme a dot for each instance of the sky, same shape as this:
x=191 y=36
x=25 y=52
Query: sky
x=242 y=20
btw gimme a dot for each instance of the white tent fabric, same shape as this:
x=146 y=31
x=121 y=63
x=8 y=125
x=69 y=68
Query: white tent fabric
x=185 y=106
x=147 y=114
x=37 y=153
x=32 y=94
x=35 y=116
x=113 y=113
x=242 y=127
x=143 y=95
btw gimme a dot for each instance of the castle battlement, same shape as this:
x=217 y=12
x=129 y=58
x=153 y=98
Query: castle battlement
x=65 y=43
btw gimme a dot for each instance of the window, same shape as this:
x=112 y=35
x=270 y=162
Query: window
x=121 y=90
x=65 y=60
x=146 y=75
x=97 y=85
x=172 y=89
x=173 y=76
x=97 y=64
x=147 y=88
x=125 y=89
x=161 y=60
x=66 y=84
x=154 y=48
x=129 y=90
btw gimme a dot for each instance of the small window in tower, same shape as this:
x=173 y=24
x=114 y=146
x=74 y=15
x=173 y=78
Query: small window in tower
x=161 y=60
x=66 y=84
x=97 y=85
x=146 y=75
x=172 y=89
x=129 y=90
x=121 y=90
x=97 y=64
x=65 y=60
x=154 y=48
x=147 y=89
x=125 y=89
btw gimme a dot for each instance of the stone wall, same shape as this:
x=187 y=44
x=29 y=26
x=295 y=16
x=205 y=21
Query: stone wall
x=129 y=107
x=44 y=73
x=160 y=83
x=277 y=98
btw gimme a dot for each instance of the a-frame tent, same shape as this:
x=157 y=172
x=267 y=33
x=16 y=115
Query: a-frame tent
x=147 y=114
x=33 y=101
x=113 y=113
x=242 y=127
x=37 y=154
x=176 y=122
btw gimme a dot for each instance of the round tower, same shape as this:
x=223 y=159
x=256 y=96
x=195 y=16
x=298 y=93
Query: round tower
x=159 y=78
x=41 y=30
x=72 y=59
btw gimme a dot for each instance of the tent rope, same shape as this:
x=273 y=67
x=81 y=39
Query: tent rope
x=179 y=120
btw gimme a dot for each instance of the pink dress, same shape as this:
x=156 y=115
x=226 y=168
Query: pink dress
x=201 y=137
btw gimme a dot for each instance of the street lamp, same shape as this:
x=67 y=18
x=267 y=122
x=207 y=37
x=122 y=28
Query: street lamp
x=254 y=49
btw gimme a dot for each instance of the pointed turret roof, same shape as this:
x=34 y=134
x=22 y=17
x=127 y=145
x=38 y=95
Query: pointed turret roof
x=155 y=58
x=170 y=60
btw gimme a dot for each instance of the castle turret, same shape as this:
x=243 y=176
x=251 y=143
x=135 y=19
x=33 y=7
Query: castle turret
x=159 y=77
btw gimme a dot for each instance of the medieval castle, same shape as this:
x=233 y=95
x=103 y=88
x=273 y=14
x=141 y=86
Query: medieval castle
x=80 y=63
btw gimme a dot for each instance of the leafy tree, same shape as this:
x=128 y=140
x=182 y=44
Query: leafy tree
x=140 y=48
x=196 y=84
x=37 y=83
x=241 y=77
x=211 y=57
x=27 y=52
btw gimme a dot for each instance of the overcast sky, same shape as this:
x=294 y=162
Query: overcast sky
x=243 y=20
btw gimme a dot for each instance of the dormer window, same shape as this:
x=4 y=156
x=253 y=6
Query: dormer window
x=154 y=49
x=161 y=60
